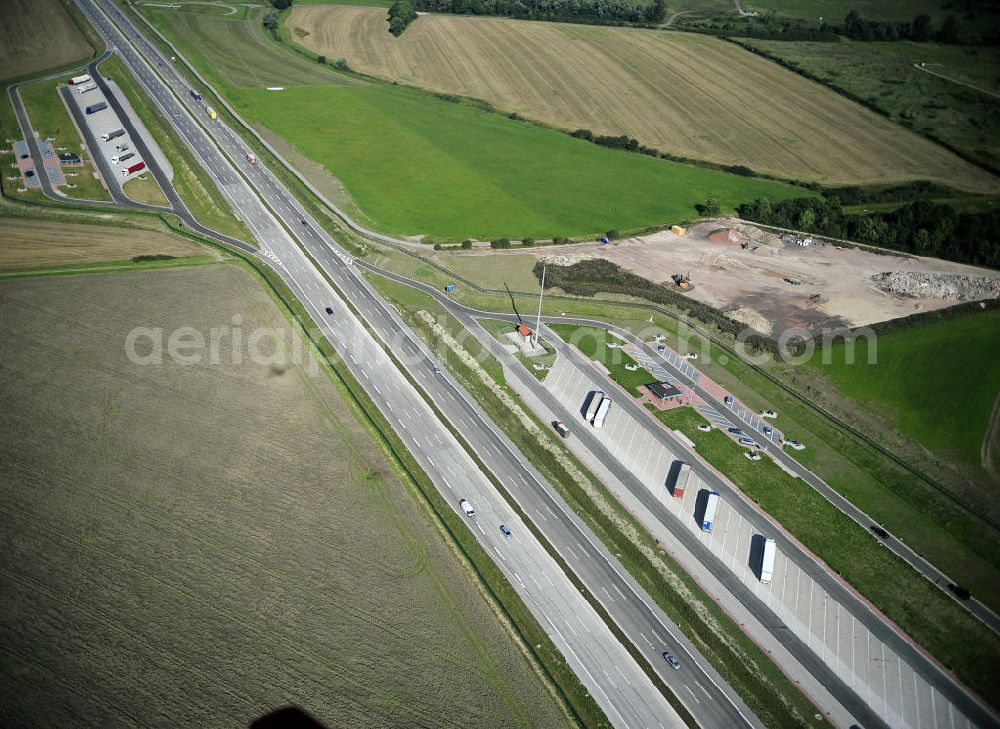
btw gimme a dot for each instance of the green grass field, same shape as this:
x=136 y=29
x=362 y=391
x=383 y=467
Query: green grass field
x=936 y=382
x=172 y=558
x=884 y=75
x=418 y=165
x=415 y=164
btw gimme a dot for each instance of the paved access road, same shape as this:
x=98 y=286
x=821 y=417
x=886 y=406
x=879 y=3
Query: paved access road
x=280 y=225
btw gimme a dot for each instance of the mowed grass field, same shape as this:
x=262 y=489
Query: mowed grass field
x=201 y=544
x=33 y=243
x=884 y=75
x=937 y=382
x=36 y=35
x=414 y=164
x=691 y=95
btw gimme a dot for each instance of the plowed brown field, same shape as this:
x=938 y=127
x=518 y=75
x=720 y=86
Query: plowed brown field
x=687 y=94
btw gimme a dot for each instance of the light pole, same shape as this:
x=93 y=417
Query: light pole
x=538 y=321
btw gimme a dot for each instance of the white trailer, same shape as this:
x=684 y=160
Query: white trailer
x=602 y=412
x=79 y=80
x=767 y=561
x=595 y=401
x=87 y=87
x=711 y=509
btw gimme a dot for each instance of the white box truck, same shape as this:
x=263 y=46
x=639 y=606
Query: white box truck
x=87 y=87
x=711 y=509
x=595 y=400
x=767 y=561
x=602 y=412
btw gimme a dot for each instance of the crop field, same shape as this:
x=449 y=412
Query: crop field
x=176 y=553
x=238 y=51
x=937 y=382
x=414 y=164
x=33 y=243
x=690 y=95
x=36 y=35
x=885 y=75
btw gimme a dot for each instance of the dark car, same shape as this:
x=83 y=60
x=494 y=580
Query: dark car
x=669 y=658
x=879 y=531
x=962 y=593
x=736 y=431
x=505 y=530
x=329 y=310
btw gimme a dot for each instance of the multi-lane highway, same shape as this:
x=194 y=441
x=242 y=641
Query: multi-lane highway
x=402 y=385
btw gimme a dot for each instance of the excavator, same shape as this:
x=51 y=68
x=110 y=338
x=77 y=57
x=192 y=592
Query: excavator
x=683 y=280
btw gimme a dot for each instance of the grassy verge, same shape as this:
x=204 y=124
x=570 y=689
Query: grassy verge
x=191 y=181
x=112 y=266
x=145 y=190
x=740 y=661
x=964 y=645
x=49 y=118
x=613 y=358
x=499 y=329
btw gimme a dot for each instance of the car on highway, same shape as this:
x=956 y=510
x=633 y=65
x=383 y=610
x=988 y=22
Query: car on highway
x=796 y=444
x=669 y=658
x=505 y=531
x=879 y=531
x=437 y=370
x=561 y=428
x=769 y=414
x=466 y=507
x=329 y=310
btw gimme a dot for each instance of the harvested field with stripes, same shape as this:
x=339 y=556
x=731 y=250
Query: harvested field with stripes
x=686 y=94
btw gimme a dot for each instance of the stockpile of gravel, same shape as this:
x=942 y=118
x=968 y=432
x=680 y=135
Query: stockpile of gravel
x=938 y=285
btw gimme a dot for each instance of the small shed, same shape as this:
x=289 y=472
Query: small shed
x=677 y=230
x=524 y=332
x=70 y=160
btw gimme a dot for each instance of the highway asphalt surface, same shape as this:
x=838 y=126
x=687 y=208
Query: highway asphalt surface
x=635 y=616
x=619 y=683
x=970 y=705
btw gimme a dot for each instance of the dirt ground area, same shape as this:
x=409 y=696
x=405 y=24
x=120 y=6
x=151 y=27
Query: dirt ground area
x=27 y=243
x=197 y=544
x=836 y=286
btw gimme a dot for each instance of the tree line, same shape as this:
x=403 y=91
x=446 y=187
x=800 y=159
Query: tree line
x=605 y=12
x=401 y=14
x=923 y=227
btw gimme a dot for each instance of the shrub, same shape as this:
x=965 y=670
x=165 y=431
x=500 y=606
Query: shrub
x=528 y=242
x=466 y=244
x=500 y=243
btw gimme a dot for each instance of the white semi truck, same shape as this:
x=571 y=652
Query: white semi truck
x=602 y=412
x=79 y=80
x=595 y=401
x=767 y=561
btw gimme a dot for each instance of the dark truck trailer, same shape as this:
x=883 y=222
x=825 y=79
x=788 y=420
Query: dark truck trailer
x=96 y=107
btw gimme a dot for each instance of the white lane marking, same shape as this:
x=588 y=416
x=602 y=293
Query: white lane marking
x=607 y=593
x=692 y=694
x=646 y=639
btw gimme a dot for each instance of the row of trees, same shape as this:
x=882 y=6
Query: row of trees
x=608 y=12
x=857 y=28
x=923 y=227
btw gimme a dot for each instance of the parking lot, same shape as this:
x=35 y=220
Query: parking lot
x=886 y=683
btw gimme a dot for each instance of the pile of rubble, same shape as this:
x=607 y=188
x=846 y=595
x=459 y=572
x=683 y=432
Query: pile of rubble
x=938 y=285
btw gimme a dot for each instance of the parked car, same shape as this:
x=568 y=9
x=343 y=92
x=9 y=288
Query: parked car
x=736 y=431
x=660 y=348
x=466 y=507
x=728 y=399
x=797 y=445
x=631 y=367
x=749 y=442
x=669 y=658
x=505 y=531
x=768 y=430
x=329 y=310
x=769 y=414
x=704 y=427
x=752 y=455
x=690 y=355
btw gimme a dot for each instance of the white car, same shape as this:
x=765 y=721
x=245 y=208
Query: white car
x=769 y=414
x=704 y=427
x=659 y=338
x=466 y=507
x=690 y=355
x=631 y=367
x=614 y=345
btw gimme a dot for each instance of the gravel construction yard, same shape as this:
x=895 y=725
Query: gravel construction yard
x=839 y=286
